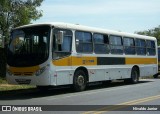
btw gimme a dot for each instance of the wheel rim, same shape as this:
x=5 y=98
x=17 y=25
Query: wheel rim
x=80 y=80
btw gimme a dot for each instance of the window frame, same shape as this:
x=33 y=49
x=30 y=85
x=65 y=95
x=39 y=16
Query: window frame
x=116 y=45
x=84 y=42
x=150 y=48
x=104 y=44
x=124 y=46
x=61 y=53
x=138 y=47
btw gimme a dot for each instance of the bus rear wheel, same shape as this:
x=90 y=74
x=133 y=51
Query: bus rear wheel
x=79 y=81
x=134 y=75
x=156 y=75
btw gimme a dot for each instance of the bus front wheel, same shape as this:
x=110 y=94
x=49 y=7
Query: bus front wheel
x=79 y=81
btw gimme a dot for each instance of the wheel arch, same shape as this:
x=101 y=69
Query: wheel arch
x=85 y=70
x=138 y=69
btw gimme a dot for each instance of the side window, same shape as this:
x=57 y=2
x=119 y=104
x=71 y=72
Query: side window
x=101 y=43
x=64 y=49
x=116 y=44
x=129 y=46
x=150 y=47
x=140 y=47
x=83 y=42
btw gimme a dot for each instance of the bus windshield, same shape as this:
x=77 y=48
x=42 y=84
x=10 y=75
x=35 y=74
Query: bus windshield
x=29 y=46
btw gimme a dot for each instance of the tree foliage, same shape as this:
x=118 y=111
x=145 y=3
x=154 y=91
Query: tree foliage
x=15 y=13
x=155 y=32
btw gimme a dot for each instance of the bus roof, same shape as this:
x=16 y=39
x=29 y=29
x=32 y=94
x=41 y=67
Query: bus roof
x=91 y=29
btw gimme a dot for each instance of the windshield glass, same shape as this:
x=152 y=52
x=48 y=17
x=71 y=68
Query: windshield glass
x=29 y=46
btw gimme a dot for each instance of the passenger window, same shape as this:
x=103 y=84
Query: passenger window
x=101 y=43
x=64 y=49
x=116 y=44
x=83 y=42
x=150 y=47
x=140 y=47
x=129 y=46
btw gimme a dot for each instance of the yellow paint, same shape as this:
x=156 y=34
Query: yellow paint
x=141 y=60
x=75 y=61
x=63 y=62
x=84 y=61
x=23 y=70
x=78 y=61
x=122 y=105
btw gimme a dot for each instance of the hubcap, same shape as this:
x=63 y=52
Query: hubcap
x=80 y=80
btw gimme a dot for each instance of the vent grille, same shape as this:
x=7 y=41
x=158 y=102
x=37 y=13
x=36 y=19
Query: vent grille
x=23 y=73
x=23 y=81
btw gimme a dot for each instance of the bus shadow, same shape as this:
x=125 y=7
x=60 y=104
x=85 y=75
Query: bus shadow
x=34 y=93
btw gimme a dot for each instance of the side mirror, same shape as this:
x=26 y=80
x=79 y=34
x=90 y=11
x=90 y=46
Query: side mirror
x=60 y=37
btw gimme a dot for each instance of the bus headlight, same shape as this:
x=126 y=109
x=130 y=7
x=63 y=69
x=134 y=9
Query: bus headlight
x=40 y=71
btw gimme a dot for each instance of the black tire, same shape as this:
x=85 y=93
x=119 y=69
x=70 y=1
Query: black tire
x=79 y=81
x=134 y=76
x=156 y=75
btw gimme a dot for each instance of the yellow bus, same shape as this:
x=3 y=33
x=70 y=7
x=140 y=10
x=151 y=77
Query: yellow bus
x=53 y=54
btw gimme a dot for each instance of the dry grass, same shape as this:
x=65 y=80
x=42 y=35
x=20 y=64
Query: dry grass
x=4 y=86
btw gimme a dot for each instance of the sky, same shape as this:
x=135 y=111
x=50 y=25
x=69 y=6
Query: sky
x=120 y=15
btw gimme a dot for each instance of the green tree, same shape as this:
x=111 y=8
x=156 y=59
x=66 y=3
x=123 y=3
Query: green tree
x=155 y=32
x=15 y=13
